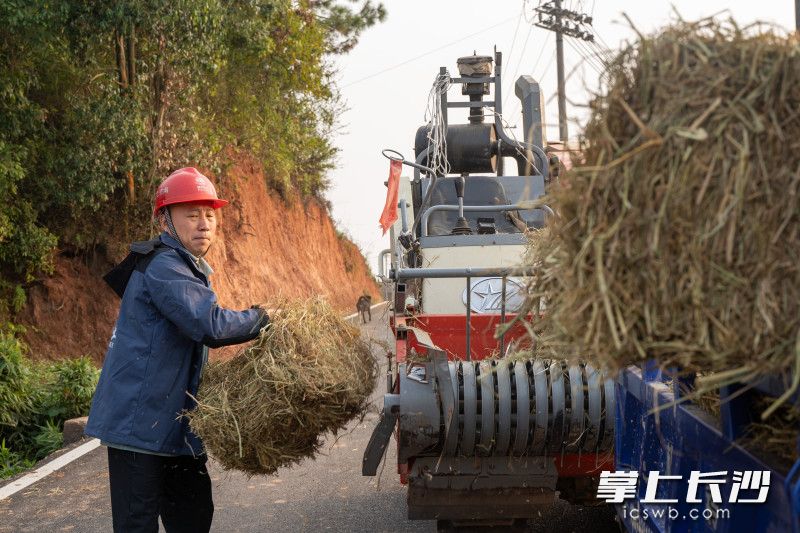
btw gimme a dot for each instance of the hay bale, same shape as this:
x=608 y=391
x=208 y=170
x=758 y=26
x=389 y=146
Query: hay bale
x=308 y=374
x=679 y=236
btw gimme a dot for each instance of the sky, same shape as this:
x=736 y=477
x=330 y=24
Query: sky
x=386 y=78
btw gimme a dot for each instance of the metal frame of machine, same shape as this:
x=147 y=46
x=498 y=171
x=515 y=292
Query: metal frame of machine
x=480 y=438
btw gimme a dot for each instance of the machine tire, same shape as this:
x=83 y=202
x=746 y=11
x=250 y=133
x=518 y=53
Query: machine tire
x=579 y=490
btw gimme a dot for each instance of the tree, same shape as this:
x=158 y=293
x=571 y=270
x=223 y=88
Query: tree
x=99 y=100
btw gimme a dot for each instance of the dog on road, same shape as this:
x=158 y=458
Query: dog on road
x=363 y=308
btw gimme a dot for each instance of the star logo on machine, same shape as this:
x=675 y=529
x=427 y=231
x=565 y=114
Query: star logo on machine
x=487 y=293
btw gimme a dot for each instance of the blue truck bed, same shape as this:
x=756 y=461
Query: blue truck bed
x=654 y=433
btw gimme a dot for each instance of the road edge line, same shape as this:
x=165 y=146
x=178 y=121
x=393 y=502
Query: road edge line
x=63 y=460
x=47 y=469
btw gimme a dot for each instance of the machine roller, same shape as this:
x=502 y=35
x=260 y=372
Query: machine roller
x=520 y=408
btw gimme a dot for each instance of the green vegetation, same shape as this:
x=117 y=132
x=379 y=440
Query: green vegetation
x=35 y=400
x=101 y=100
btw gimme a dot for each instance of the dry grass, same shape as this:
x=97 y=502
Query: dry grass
x=308 y=374
x=679 y=235
x=778 y=435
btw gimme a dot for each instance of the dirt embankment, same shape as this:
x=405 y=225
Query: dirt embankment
x=267 y=249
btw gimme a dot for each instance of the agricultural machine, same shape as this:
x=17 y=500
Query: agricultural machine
x=482 y=439
x=486 y=439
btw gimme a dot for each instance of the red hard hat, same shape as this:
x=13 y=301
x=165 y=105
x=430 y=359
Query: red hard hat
x=186 y=185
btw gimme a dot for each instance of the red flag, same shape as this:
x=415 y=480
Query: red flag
x=389 y=214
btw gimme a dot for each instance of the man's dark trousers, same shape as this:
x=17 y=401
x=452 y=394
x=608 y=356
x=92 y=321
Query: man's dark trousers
x=144 y=486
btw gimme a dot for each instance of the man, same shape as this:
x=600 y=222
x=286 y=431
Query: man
x=168 y=317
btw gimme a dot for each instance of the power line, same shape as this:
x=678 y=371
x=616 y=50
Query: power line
x=596 y=34
x=541 y=51
x=585 y=59
x=598 y=63
x=547 y=68
x=533 y=13
x=580 y=47
x=521 y=56
x=605 y=47
x=604 y=55
x=514 y=38
x=532 y=72
x=429 y=52
x=518 y=104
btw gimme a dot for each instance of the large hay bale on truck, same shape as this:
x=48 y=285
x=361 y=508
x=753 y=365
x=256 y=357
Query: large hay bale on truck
x=308 y=374
x=679 y=236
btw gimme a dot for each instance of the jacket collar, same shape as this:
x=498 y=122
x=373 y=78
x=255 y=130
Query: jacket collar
x=190 y=259
x=170 y=241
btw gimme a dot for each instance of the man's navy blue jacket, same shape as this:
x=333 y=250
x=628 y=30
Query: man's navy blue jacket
x=155 y=356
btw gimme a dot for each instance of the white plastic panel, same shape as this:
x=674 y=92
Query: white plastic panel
x=445 y=296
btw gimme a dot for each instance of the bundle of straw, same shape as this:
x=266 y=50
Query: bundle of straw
x=679 y=236
x=308 y=374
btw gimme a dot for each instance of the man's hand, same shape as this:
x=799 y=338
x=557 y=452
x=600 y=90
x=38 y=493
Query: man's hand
x=262 y=308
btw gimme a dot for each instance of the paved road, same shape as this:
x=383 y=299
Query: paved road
x=324 y=494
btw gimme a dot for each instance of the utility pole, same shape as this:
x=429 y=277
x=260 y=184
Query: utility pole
x=563 y=22
x=562 y=97
x=797 y=15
